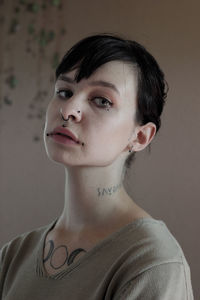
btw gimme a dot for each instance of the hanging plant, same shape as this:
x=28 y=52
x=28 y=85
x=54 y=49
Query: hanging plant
x=22 y=1
x=14 y=26
x=45 y=37
x=17 y=9
x=33 y=7
x=11 y=81
x=31 y=29
x=42 y=36
x=55 y=2
x=7 y=100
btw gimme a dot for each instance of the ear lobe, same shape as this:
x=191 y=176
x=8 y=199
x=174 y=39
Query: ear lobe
x=144 y=136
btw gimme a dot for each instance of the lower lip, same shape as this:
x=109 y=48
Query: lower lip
x=63 y=140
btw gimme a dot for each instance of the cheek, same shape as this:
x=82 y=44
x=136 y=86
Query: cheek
x=113 y=136
x=124 y=126
x=121 y=134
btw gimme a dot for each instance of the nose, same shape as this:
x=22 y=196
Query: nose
x=71 y=110
x=73 y=113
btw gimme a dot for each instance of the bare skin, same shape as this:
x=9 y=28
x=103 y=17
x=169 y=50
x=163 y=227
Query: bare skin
x=63 y=248
x=96 y=203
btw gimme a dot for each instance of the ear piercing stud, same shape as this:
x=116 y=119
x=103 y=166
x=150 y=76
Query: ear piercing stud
x=131 y=149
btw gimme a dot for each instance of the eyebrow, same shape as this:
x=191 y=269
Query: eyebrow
x=93 y=83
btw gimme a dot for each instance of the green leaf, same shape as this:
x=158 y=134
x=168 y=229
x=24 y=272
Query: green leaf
x=12 y=81
x=55 y=2
x=14 y=26
x=44 y=6
x=33 y=7
x=17 y=9
x=50 y=36
x=31 y=29
x=42 y=38
x=22 y=1
x=7 y=100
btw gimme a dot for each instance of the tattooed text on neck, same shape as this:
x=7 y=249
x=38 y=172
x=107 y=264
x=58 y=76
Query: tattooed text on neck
x=109 y=190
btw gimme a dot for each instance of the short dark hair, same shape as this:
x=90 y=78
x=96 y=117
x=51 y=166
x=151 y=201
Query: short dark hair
x=91 y=52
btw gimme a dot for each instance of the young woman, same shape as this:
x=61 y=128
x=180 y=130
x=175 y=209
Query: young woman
x=109 y=95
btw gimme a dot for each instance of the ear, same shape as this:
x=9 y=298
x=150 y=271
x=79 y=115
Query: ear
x=143 y=136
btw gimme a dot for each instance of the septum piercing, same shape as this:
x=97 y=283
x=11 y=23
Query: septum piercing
x=67 y=120
x=48 y=134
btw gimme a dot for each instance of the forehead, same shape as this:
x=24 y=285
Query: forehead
x=120 y=74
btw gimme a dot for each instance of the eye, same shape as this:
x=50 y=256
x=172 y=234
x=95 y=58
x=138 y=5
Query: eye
x=66 y=93
x=106 y=102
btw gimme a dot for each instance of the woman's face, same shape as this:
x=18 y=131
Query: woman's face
x=105 y=129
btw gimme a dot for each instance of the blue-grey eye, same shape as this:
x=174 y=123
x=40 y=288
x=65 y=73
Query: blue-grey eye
x=64 y=93
x=106 y=103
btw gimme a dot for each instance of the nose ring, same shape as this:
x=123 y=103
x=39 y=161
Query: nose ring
x=63 y=117
x=68 y=116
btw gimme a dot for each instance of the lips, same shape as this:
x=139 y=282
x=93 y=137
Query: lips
x=64 y=131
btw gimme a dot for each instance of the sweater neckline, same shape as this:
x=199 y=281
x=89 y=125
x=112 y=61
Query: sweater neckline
x=40 y=270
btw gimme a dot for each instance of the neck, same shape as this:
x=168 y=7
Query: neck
x=90 y=202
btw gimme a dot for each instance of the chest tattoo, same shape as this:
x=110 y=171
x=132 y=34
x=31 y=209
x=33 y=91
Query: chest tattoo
x=60 y=256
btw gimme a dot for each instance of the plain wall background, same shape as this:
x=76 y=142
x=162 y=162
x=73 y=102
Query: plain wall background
x=166 y=182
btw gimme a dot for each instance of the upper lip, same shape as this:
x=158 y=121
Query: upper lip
x=66 y=132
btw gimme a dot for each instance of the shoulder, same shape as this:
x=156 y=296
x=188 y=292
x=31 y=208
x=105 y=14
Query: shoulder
x=147 y=243
x=20 y=243
x=157 y=241
x=164 y=281
x=153 y=263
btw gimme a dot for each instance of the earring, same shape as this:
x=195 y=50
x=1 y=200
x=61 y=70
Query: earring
x=131 y=149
